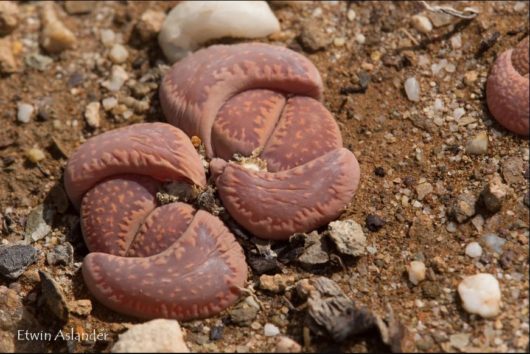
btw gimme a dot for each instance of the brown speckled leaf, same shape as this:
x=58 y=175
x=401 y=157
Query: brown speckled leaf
x=507 y=90
x=195 y=88
x=276 y=205
x=306 y=130
x=112 y=212
x=154 y=149
x=198 y=276
x=245 y=122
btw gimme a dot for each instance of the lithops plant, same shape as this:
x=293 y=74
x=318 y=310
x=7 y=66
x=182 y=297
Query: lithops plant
x=507 y=89
x=263 y=101
x=147 y=260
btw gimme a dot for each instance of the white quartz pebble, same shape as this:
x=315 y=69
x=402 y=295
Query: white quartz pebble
x=191 y=23
x=416 y=270
x=412 y=89
x=473 y=250
x=480 y=295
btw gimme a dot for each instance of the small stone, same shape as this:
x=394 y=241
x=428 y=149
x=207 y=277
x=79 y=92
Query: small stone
x=55 y=36
x=150 y=24
x=421 y=23
x=458 y=113
x=117 y=79
x=35 y=155
x=374 y=222
x=107 y=37
x=480 y=295
x=470 y=77
x=339 y=41
x=81 y=307
x=360 y=38
x=494 y=194
x=438 y=105
x=451 y=227
x=8 y=64
x=494 y=242
x=14 y=260
x=92 y=114
x=416 y=270
x=430 y=289
x=9 y=17
x=62 y=254
x=315 y=252
x=53 y=296
x=412 y=89
x=37 y=225
x=423 y=190
x=425 y=343
x=348 y=236
x=109 y=103
x=313 y=38
x=156 y=336
x=277 y=283
x=25 y=112
x=380 y=172
x=512 y=170
x=38 y=61
x=270 y=330
x=79 y=7
x=464 y=207
x=287 y=345
x=216 y=332
x=350 y=15
x=473 y=250
x=459 y=340
x=118 y=54
x=456 y=41
x=478 y=145
x=244 y=312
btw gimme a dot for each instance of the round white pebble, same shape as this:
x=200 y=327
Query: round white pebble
x=271 y=330
x=421 y=23
x=118 y=54
x=416 y=271
x=412 y=89
x=25 y=112
x=473 y=250
x=480 y=295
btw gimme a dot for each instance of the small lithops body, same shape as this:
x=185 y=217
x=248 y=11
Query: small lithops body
x=507 y=89
x=149 y=261
x=253 y=97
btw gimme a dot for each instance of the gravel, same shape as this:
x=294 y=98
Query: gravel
x=494 y=242
x=416 y=271
x=156 y=336
x=422 y=23
x=270 y=330
x=25 y=112
x=14 y=260
x=412 y=89
x=478 y=145
x=374 y=222
x=480 y=294
x=348 y=236
x=473 y=250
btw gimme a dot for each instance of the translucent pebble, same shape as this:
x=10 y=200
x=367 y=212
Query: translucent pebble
x=412 y=89
x=473 y=250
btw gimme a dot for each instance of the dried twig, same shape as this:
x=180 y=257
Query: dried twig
x=468 y=12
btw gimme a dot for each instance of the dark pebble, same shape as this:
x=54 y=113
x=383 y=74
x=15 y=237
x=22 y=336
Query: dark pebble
x=261 y=265
x=374 y=222
x=409 y=181
x=430 y=289
x=15 y=259
x=216 y=333
x=506 y=259
x=76 y=79
x=380 y=172
x=526 y=199
x=53 y=296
